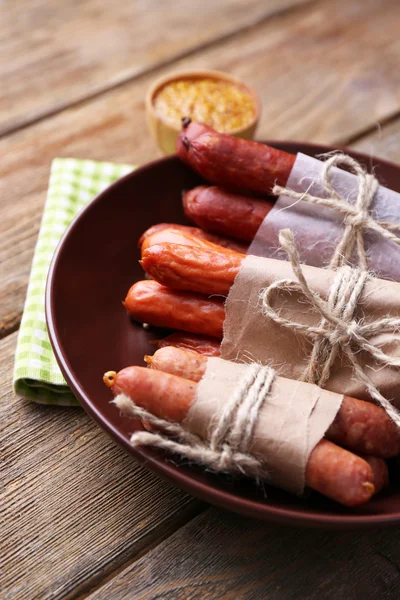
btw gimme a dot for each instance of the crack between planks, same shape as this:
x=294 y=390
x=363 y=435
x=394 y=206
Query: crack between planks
x=9 y=329
x=195 y=508
x=389 y=560
x=369 y=129
x=141 y=73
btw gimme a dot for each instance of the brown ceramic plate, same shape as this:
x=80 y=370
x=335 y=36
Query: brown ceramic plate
x=93 y=267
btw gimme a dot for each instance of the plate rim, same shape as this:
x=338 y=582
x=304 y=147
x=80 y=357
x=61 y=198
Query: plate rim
x=162 y=466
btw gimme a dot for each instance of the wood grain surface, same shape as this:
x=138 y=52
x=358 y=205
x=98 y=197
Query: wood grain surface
x=53 y=54
x=319 y=90
x=74 y=505
x=231 y=558
x=383 y=141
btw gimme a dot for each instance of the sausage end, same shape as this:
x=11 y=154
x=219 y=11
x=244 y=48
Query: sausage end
x=109 y=378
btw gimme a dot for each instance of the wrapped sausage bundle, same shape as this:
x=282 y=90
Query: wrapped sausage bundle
x=358 y=426
x=243 y=419
x=338 y=217
x=285 y=419
x=273 y=314
x=338 y=329
x=255 y=413
x=188 y=267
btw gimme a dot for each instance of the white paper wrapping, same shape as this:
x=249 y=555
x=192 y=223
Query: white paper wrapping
x=317 y=229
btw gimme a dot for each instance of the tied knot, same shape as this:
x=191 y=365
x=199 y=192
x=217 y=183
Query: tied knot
x=229 y=447
x=224 y=460
x=343 y=334
x=339 y=330
x=357 y=218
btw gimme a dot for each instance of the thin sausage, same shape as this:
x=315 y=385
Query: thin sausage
x=359 y=426
x=202 y=344
x=360 y=420
x=339 y=474
x=150 y=302
x=195 y=269
x=177 y=361
x=177 y=236
x=199 y=233
x=219 y=211
x=331 y=470
x=380 y=472
x=231 y=162
x=168 y=396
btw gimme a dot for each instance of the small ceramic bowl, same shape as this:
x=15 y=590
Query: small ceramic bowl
x=165 y=133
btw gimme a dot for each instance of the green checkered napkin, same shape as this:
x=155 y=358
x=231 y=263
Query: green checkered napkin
x=73 y=184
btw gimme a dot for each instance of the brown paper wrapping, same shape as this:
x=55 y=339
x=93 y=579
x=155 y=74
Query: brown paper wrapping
x=295 y=415
x=292 y=420
x=250 y=336
x=317 y=229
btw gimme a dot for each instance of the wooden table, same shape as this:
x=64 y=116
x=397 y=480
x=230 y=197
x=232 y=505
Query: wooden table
x=81 y=519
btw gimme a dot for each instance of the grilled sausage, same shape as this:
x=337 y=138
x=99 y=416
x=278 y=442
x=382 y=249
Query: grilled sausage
x=231 y=162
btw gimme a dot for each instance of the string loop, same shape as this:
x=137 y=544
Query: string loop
x=357 y=217
x=228 y=450
x=338 y=331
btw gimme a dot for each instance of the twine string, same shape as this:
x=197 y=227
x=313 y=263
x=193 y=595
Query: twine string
x=228 y=449
x=339 y=330
x=357 y=217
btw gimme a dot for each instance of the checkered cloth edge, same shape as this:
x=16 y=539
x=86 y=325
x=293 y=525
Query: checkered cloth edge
x=73 y=184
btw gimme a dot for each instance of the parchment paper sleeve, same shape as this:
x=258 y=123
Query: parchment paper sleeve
x=292 y=420
x=250 y=336
x=317 y=229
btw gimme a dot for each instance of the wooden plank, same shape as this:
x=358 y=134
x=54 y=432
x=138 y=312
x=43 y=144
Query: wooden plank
x=220 y=555
x=55 y=53
x=74 y=506
x=323 y=74
x=383 y=141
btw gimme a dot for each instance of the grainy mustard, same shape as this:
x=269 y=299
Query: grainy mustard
x=222 y=105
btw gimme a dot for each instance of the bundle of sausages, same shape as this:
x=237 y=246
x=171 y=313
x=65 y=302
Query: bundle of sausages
x=192 y=270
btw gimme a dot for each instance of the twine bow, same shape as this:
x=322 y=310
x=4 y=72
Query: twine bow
x=228 y=448
x=338 y=330
x=357 y=219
